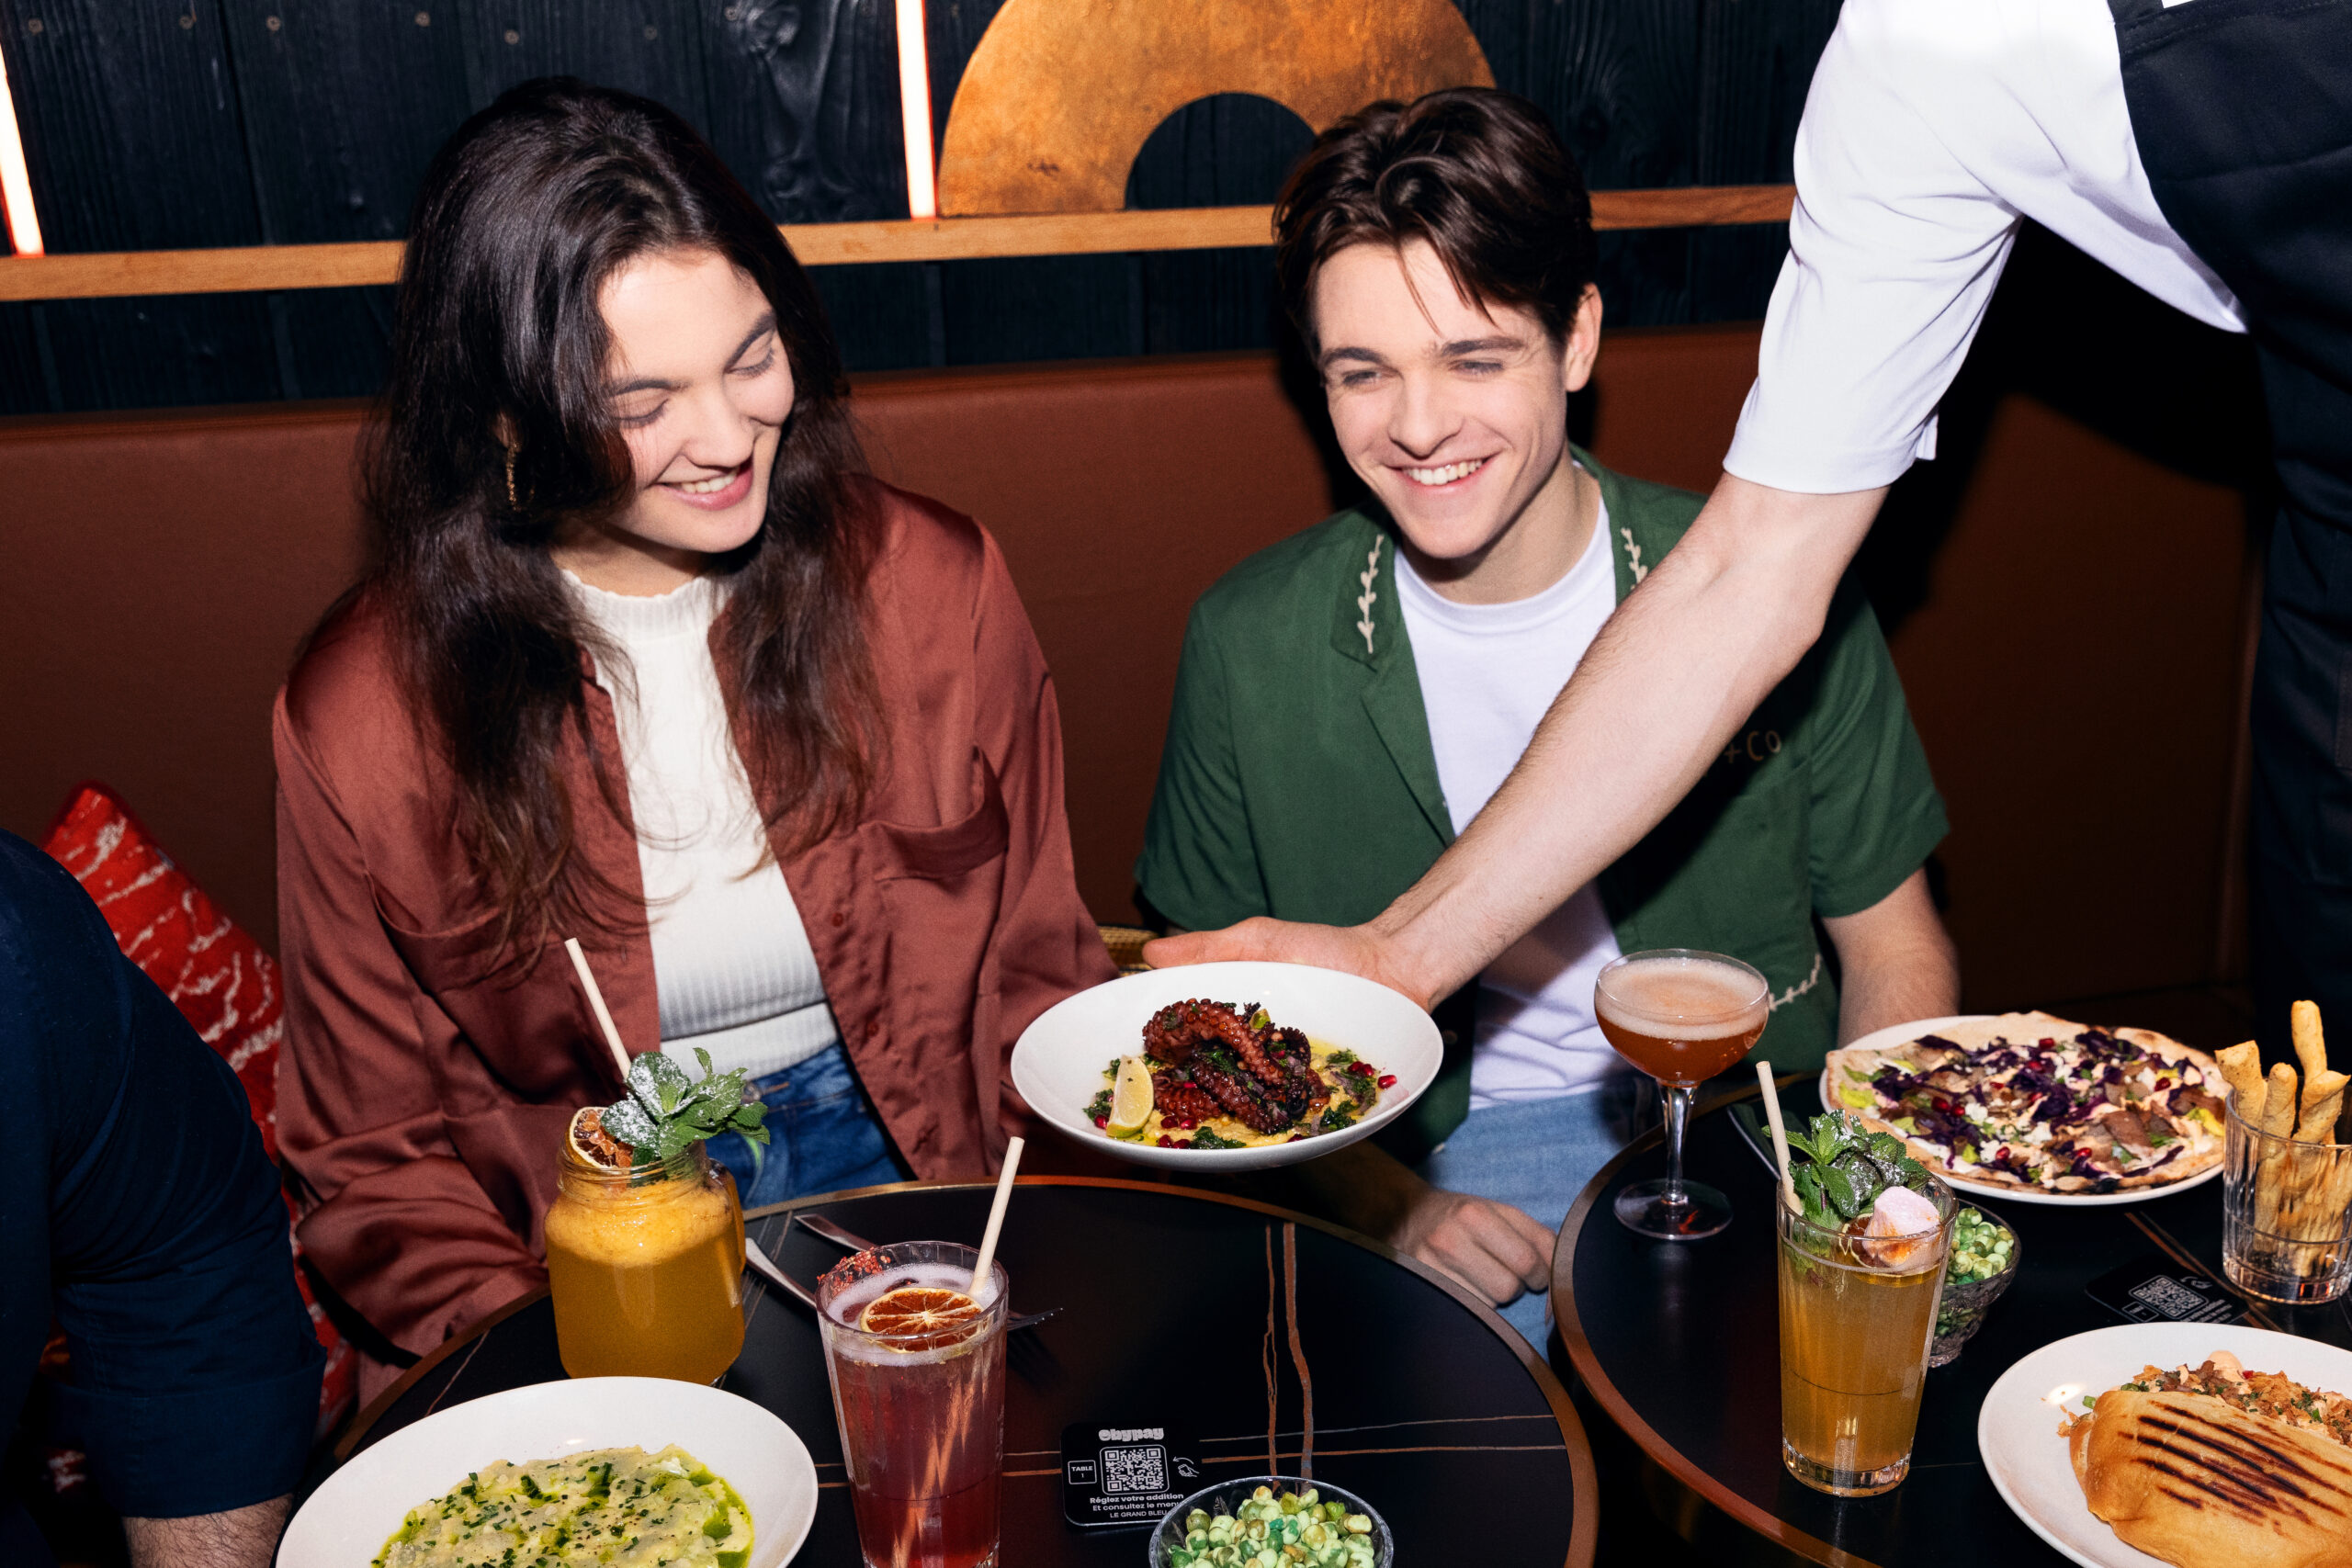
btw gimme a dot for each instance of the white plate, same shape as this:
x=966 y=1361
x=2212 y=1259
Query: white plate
x=1904 y=1033
x=1057 y=1066
x=346 y=1520
x=2017 y=1431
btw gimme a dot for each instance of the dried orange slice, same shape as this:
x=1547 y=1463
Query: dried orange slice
x=592 y=1143
x=922 y=1317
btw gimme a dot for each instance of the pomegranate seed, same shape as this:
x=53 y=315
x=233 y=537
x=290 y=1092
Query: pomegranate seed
x=1295 y=1137
x=1166 y=1142
x=1388 y=1080
x=1101 y=1121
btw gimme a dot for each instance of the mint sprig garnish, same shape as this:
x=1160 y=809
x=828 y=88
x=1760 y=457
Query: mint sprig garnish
x=1847 y=1168
x=667 y=1112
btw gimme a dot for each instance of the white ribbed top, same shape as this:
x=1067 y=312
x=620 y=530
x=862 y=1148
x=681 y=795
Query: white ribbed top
x=731 y=961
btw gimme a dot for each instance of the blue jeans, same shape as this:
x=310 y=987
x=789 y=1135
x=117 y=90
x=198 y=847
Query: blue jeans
x=823 y=1134
x=1537 y=1155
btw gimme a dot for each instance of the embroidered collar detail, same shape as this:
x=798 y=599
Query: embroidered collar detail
x=1633 y=557
x=1365 y=599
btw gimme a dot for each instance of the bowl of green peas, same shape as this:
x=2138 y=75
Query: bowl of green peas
x=1984 y=1254
x=1271 y=1521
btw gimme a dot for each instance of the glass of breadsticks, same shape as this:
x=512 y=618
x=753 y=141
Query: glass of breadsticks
x=2286 y=1182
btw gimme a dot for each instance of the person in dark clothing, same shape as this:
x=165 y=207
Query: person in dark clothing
x=143 y=1217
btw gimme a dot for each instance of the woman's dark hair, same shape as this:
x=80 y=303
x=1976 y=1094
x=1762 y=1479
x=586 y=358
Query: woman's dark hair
x=500 y=347
x=1478 y=173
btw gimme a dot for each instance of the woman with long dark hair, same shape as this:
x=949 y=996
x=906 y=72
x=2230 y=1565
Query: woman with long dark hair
x=647 y=659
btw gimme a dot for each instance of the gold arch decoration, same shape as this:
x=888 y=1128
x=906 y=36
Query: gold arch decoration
x=1060 y=95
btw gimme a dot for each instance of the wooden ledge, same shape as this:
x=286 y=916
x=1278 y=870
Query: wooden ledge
x=244 y=269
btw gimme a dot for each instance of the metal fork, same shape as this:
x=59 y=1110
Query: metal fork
x=821 y=1226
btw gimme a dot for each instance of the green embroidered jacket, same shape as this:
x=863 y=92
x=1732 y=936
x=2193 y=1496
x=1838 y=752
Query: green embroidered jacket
x=1299 y=782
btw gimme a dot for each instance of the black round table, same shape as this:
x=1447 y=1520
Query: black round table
x=1679 y=1343
x=1284 y=1344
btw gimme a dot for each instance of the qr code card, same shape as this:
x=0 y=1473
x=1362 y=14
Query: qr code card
x=1125 y=1472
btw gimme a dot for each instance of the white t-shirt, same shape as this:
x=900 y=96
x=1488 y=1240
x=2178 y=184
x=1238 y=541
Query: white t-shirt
x=732 y=964
x=1489 y=674
x=1932 y=128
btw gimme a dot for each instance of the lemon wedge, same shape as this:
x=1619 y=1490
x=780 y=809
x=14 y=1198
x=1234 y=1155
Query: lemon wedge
x=1130 y=1098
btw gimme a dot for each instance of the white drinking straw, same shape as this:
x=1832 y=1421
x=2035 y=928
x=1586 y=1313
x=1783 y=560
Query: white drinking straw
x=596 y=1000
x=1779 y=1131
x=996 y=1216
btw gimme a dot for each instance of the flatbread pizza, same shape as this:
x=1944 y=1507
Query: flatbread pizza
x=2032 y=1101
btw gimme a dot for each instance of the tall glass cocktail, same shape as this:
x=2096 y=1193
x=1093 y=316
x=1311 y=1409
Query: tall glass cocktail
x=918 y=1372
x=645 y=1262
x=1682 y=1016
x=1858 y=1317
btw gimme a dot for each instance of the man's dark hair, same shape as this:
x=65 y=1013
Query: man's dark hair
x=1478 y=173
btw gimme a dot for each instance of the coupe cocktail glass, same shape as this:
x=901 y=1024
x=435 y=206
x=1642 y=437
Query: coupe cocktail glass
x=1682 y=1016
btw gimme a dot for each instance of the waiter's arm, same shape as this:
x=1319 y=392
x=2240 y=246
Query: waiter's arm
x=1682 y=663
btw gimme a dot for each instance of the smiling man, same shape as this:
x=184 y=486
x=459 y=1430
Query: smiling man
x=1350 y=698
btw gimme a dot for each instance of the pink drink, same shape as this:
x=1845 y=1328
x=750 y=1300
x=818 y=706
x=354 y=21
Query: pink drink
x=921 y=1414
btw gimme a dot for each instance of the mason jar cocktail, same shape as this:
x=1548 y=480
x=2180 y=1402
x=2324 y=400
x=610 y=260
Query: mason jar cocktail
x=645 y=1262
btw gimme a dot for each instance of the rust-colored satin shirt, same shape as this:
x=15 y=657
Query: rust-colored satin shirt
x=420 y=1105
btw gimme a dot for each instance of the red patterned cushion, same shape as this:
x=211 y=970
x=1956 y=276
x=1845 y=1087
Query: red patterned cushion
x=218 y=975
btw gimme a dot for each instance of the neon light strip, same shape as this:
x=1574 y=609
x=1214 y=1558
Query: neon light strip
x=914 y=111
x=15 y=180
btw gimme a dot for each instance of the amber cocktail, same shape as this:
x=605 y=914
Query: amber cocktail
x=1858 y=1314
x=1682 y=1016
x=646 y=1266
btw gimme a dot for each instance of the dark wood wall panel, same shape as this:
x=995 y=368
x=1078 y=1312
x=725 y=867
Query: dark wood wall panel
x=343 y=103
x=217 y=122
x=653 y=47
x=134 y=139
x=804 y=105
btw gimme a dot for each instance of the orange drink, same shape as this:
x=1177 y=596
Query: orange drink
x=646 y=1266
x=1857 y=1315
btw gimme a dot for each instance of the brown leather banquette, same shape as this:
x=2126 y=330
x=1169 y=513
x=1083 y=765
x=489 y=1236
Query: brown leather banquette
x=2074 y=643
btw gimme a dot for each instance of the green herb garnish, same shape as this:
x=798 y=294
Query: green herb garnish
x=1207 y=1138
x=1848 y=1166
x=666 y=1111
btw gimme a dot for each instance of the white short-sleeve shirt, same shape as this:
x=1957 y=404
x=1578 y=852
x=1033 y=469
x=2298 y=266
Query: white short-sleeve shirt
x=1932 y=128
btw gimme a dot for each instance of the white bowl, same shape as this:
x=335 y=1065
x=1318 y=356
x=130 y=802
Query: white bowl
x=346 y=1520
x=1057 y=1066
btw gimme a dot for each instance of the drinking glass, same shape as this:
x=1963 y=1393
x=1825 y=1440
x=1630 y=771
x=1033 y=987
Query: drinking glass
x=1682 y=1016
x=1857 y=1315
x=646 y=1266
x=2285 y=1215
x=921 y=1414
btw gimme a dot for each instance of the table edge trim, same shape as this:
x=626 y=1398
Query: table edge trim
x=364 y=1421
